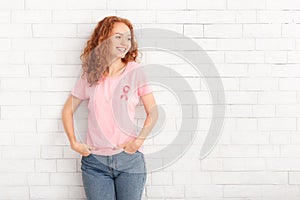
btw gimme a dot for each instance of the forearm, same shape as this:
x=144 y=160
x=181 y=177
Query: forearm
x=149 y=123
x=67 y=119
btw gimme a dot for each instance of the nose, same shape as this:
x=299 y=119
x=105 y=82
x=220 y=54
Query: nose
x=123 y=41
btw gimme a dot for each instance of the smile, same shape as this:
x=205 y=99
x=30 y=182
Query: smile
x=122 y=49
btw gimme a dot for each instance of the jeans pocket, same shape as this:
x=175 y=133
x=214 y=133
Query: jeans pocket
x=130 y=153
x=86 y=156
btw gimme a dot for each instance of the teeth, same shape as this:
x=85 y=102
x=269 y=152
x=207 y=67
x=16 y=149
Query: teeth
x=121 y=49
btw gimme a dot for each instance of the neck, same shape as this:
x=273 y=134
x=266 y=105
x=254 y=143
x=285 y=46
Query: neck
x=115 y=67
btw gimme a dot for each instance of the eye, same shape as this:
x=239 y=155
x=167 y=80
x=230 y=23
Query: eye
x=119 y=37
x=129 y=39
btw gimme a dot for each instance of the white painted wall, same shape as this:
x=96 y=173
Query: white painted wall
x=255 y=46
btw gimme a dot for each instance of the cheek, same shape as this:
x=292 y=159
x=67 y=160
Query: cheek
x=129 y=44
x=113 y=42
x=129 y=47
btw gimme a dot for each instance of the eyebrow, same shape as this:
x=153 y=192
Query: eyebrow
x=122 y=34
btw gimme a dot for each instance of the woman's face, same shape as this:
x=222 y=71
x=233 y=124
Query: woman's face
x=120 y=40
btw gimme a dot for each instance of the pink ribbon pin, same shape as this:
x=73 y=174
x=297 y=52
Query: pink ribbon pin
x=125 y=91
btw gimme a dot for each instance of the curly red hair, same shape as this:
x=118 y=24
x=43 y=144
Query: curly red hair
x=95 y=57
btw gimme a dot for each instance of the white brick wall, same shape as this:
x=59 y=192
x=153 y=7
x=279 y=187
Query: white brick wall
x=255 y=46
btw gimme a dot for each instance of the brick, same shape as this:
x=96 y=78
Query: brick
x=235 y=44
x=277 y=97
x=290 y=30
x=31 y=16
x=16 y=166
x=87 y=4
x=176 y=17
x=40 y=70
x=275 y=16
x=283 y=164
x=279 y=124
x=243 y=151
x=15 y=30
x=45 y=5
x=240 y=191
x=244 y=164
x=12 y=179
x=51 y=57
x=244 y=178
x=262 y=84
x=54 y=30
x=51 y=152
x=285 y=70
x=204 y=191
x=241 y=97
x=275 y=44
x=193 y=30
x=276 y=57
x=5 y=44
x=23 y=125
x=216 y=17
x=246 y=16
x=262 y=30
x=12 y=57
x=290 y=84
x=13 y=4
x=66 y=165
x=16 y=192
x=223 y=31
x=28 y=84
x=282 y=4
x=65 y=179
x=38 y=178
x=244 y=4
x=21 y=152
x=159 y=5
x=293 y=57
x=45 y=165
x=31 y=44
x=5 y=17
x=202 y=4
x=48 y=192
x=71 y=17
x=269 y=150
x=125 y=5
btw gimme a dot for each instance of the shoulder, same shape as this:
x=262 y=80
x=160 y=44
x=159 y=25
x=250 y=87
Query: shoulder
x=84 y=79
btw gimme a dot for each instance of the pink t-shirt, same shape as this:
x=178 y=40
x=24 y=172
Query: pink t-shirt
x=111 y=105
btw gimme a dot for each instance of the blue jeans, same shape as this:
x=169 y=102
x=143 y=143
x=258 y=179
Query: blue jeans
x=116 y=177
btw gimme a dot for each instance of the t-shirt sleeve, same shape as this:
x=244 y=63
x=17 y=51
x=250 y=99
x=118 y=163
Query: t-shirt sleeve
x=143 y=85
x=80 y=88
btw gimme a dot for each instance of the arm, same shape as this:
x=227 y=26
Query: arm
x=152 y=116
x=67 y=119
x=151 y=119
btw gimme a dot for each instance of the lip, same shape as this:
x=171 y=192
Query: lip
x=122 y=47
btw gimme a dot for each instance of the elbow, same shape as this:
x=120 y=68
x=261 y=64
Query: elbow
x=65 y=112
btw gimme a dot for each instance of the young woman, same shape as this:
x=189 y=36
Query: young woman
x=113 y=163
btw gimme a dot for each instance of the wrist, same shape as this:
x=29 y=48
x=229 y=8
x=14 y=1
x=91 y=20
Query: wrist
x=139 y=141
x=73 y=144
